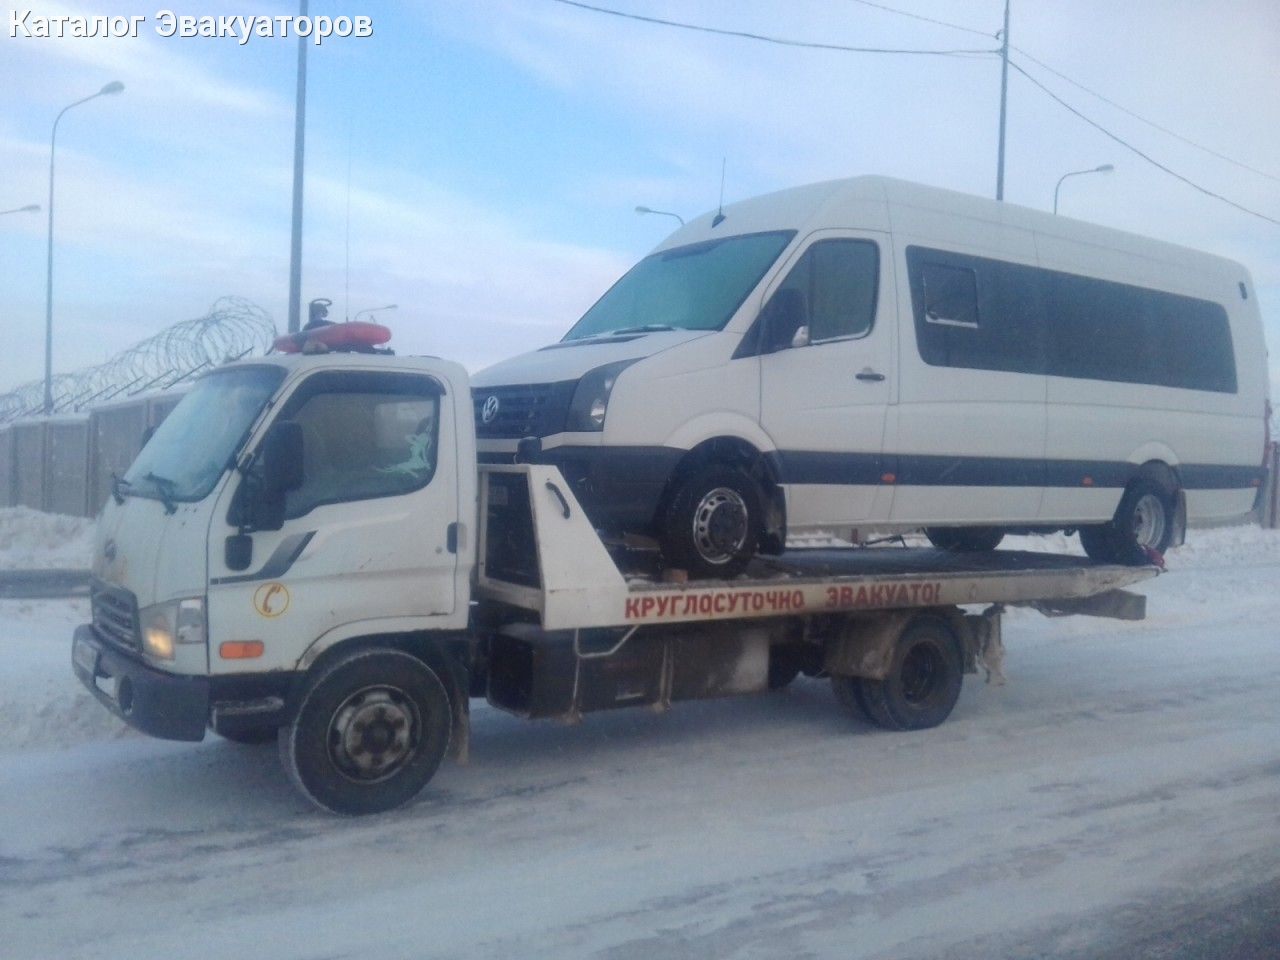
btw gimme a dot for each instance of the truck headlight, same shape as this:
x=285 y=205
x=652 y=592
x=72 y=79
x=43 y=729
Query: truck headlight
x=167 y=624
x=590 y=401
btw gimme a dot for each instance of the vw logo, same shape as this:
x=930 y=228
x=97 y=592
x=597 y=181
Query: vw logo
x=490 y=410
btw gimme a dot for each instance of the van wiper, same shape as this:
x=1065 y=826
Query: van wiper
x=647 y=328
x=164 y=486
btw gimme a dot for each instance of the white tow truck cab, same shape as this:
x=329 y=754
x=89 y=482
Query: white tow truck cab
x=306 y=550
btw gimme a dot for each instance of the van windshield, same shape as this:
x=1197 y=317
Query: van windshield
x=697 y=287
x=196 y=442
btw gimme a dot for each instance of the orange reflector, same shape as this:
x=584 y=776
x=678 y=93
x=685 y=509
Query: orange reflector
x=240 y=649
x=1087 y=482
x=1257 y=483
x=888 y=478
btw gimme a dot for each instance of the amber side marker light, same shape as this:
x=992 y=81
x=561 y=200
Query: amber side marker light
x=1087 y=482
x=888 y=478
x=240 y=649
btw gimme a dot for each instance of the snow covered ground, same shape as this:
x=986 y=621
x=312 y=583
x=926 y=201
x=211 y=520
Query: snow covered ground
x=1122 y=786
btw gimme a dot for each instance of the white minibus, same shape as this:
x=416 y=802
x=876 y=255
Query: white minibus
x=867 y=355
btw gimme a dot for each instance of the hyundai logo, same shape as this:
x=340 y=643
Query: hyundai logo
x=490 y=410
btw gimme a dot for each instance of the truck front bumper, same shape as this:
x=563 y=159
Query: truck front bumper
x=160 y=704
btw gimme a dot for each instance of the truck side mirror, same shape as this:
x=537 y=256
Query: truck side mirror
x=784 y=317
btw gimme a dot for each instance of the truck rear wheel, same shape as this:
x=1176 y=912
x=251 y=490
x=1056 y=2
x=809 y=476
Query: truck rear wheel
x=369 y=732
x=923 y=682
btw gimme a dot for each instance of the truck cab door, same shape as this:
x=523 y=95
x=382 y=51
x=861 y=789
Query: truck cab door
x=826 y=378
x=369 y=533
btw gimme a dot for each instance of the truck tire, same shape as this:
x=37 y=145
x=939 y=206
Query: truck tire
x=369 y=732
x=1144 y=522
x=712 y=525
x=923 y=682
x=965 y=539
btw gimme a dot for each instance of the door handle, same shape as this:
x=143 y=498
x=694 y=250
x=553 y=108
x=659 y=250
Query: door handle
x=869 y=376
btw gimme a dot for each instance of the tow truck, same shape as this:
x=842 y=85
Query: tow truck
x=308 y=551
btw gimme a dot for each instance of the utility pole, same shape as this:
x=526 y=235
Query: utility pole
x=1004 y=99
x=299 y=146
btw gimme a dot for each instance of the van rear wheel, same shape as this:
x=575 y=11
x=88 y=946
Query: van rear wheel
x=1143 y=523
x=712 y=526
x=965 y=539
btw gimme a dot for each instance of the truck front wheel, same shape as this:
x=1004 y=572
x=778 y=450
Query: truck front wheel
x=368 y=733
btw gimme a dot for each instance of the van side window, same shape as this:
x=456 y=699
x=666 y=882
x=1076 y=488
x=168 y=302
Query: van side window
x=1041 y=321
x=838 y=280
x=360 y=444
x=950 y=294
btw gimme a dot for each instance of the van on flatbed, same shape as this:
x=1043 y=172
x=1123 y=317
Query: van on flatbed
x=306 y=551
x=876 y=355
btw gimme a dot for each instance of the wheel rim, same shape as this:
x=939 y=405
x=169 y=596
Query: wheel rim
x=374 y=733
x=922 y=671
x=720 y=525
x=1148 y=521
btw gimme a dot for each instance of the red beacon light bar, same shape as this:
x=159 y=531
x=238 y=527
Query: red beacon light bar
x=324 y=336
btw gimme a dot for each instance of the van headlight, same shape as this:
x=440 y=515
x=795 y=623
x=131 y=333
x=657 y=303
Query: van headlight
x=166 y=625
x=590 y=401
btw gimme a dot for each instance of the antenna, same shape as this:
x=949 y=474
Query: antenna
x=719 y=217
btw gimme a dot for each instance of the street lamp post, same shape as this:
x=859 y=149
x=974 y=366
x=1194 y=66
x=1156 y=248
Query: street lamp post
x=115 y=86
x=661 y=213
x=1105 y=168
x=29 y=208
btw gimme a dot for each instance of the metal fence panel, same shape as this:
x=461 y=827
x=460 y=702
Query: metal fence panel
x=66 y=467
x=28 y=460
x=115 y=438
x=6 y=467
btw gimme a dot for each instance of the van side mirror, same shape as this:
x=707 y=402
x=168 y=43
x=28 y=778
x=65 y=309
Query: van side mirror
x=801 y=338
x=280 y=457
x=784 y=317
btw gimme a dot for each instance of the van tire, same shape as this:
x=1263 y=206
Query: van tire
x=965 y=539
x=368 y=733
x=1144 y=522
x=924 y=679
x=713 y=524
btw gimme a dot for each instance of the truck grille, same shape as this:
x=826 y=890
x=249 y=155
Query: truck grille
x=526 y=410
x=115 y=615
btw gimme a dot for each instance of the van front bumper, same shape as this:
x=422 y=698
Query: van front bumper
x=160 y=704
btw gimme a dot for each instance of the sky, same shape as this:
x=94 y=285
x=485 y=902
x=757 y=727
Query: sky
x=478 y=162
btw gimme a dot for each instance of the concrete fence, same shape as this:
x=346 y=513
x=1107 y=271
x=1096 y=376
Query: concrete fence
x=63 y=464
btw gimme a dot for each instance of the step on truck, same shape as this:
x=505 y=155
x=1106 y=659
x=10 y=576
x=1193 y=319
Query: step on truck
x=307 y=551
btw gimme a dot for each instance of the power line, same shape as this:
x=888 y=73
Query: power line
x=1139 y=117
x=763 y=38
x=924 y=19
x=1147 y=157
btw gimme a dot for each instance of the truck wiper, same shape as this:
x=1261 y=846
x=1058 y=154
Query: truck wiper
x=119 y=488
x=647 y=328
x=164 y=486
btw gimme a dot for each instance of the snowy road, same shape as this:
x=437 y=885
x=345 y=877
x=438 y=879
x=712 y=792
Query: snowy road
x=1123 y=790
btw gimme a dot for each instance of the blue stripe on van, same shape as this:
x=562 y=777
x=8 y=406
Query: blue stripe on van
x=921 y=470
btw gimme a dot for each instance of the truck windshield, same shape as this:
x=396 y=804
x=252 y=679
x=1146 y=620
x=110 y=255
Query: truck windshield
x=697 y=287
x=197 y=441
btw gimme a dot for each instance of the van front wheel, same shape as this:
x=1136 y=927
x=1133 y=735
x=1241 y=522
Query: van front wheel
x=712 y=526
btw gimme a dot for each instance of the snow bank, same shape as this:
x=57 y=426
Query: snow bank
x=42 y=704
x=31 y=540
